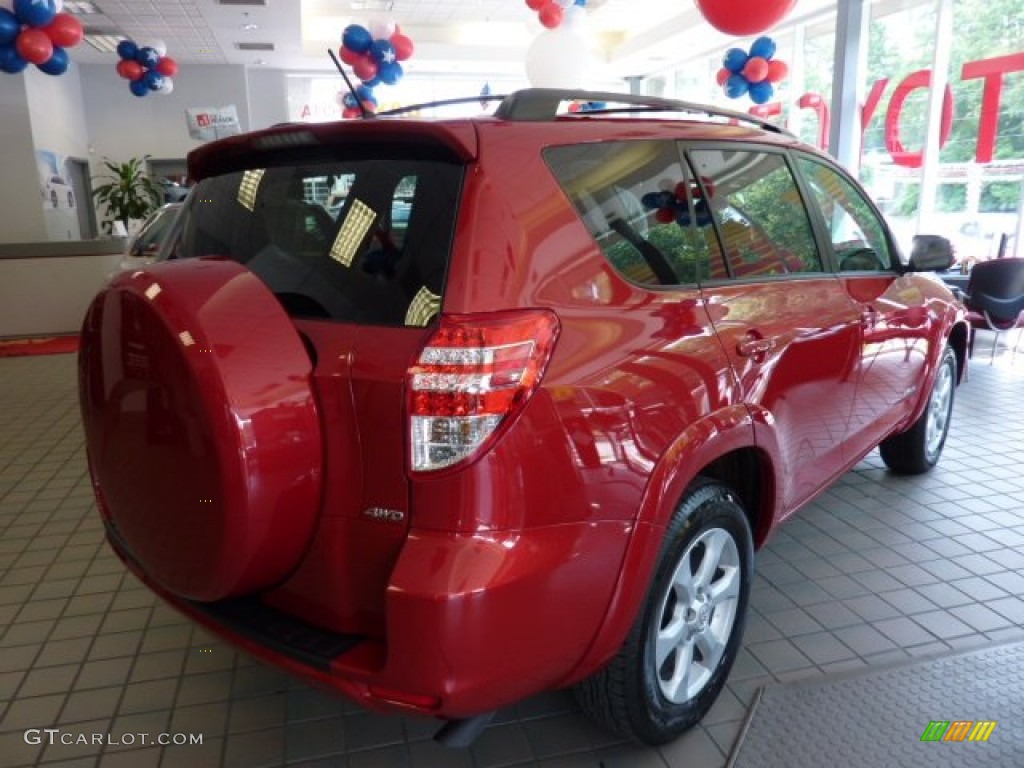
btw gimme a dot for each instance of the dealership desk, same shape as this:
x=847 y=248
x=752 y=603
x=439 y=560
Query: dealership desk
x=45 y=288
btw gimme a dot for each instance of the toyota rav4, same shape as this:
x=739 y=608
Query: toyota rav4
x=525 y=436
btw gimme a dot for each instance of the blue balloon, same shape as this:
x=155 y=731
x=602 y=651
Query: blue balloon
x=763 y=47
x=56 y=64
x=667 y=199
x=651 y=201
x=11 y=61
x=762 y=92
x=9 y=26
x=148 y=57
x=581 y=3
x=356 y=38
x=735 y=59
x=127 y=50
x=35 y=13
x=373 y=82
x=390 y=74
x=365 y=94
x=349 y=101
x=153 y=80
x=383 y=52
x=138 y=87
x=736 y=86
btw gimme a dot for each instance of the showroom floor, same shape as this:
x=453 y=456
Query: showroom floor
x=879 y=570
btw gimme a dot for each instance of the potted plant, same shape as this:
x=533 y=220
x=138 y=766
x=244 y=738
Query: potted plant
x=128 y=193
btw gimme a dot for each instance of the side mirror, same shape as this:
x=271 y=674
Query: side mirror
x=930 y=253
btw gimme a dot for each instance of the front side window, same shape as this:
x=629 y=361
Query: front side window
x=632 y=197
x=761 y=219
x=858 y=236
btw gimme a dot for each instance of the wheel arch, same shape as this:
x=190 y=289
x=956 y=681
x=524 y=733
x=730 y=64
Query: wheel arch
x=720 y=447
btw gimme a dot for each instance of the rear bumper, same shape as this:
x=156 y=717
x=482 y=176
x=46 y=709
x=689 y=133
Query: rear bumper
x=473 y=623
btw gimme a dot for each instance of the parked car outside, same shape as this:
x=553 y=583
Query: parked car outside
x=534 y=443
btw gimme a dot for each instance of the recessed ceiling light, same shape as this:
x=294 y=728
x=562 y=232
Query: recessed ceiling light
x=80 y=7
x=249 y=26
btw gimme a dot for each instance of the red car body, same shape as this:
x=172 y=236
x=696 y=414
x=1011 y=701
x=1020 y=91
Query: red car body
x=254 y=466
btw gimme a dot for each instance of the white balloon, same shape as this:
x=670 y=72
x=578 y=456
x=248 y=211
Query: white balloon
x=381 y=28
x=167 y=86
x=565 y=3
x=575 y=18
x=558 y=58
x=58 y=5
x=156 y=44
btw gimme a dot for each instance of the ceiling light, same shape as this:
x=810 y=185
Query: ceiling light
x=79 y=7
x=249 y=26
x=104 y=43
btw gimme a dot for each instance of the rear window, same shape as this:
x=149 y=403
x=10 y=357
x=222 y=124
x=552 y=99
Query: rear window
x=364 y=241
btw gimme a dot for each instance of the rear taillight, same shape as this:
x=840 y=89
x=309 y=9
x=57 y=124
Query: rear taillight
x=475 y=372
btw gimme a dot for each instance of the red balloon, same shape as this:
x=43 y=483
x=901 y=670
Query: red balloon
x=744 y=17
x=722 y=75
x=777 y=70
x=551 y=14
x=130 y=69
x=350 y=112
x=349 y=56
x=535 y=5
x=34 y=46
x=365 y=68
x=403 y=46
x=167 y=66
x=65 y=30
x=665 y=215
x=756 y=69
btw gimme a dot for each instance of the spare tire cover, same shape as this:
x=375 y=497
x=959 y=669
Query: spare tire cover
x=201 y=426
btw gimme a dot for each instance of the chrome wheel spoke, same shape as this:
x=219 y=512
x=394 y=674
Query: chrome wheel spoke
x=669 y=639
x=727 y=586
x=676 y=683
x=711 y=649
x=710 y=558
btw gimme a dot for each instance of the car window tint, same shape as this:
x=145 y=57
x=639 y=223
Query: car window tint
x=857 y=235
x=631 y=195
x=360 y=241
x=762 y=222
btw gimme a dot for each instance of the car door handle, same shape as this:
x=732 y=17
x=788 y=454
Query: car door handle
x=753 y=346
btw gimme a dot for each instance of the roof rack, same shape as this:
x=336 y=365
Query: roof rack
x=538 y=104
x=443 y=103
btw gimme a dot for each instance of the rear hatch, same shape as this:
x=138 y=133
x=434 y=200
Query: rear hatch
x=244 y=402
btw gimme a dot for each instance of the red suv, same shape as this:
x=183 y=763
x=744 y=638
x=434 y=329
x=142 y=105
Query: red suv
x=514 y=415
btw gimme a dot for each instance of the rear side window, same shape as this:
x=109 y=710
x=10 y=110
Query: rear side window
x=366 y=241
x=760 y=216
x=632 y=196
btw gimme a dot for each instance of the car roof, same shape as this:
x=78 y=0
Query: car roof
x=537 y=112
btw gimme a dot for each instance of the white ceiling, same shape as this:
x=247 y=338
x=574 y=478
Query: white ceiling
x=478 y=36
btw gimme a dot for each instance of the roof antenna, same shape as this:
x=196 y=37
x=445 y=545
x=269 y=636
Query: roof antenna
x=362 y=108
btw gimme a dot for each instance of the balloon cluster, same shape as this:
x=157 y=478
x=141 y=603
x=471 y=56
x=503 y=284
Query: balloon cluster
x=354 y=105
x=375 y=52
x=551 y=13
x=670 y=204
x=146 y=67
x=752 y=74
x=36 y=32
x=577 y=107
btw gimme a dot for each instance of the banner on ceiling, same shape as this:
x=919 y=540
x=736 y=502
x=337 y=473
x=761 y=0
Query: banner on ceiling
x=209 y=123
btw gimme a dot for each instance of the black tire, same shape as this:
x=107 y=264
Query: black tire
x=628 y=696
x=917 y=450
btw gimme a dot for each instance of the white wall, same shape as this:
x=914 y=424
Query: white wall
x=268 y=98
x=21 y=205
x=57 y=116
x=122 y=126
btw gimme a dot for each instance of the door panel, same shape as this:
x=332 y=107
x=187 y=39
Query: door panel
x=790 y=330
x=894 y=324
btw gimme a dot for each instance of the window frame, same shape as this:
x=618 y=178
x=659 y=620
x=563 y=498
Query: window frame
x=822 y=229
x=687 y=146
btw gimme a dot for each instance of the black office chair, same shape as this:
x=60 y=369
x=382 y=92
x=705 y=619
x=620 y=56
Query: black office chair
x=995 y=299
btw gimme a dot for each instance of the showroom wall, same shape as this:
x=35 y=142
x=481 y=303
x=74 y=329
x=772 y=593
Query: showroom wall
x=21 y=210
x=57 y=116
